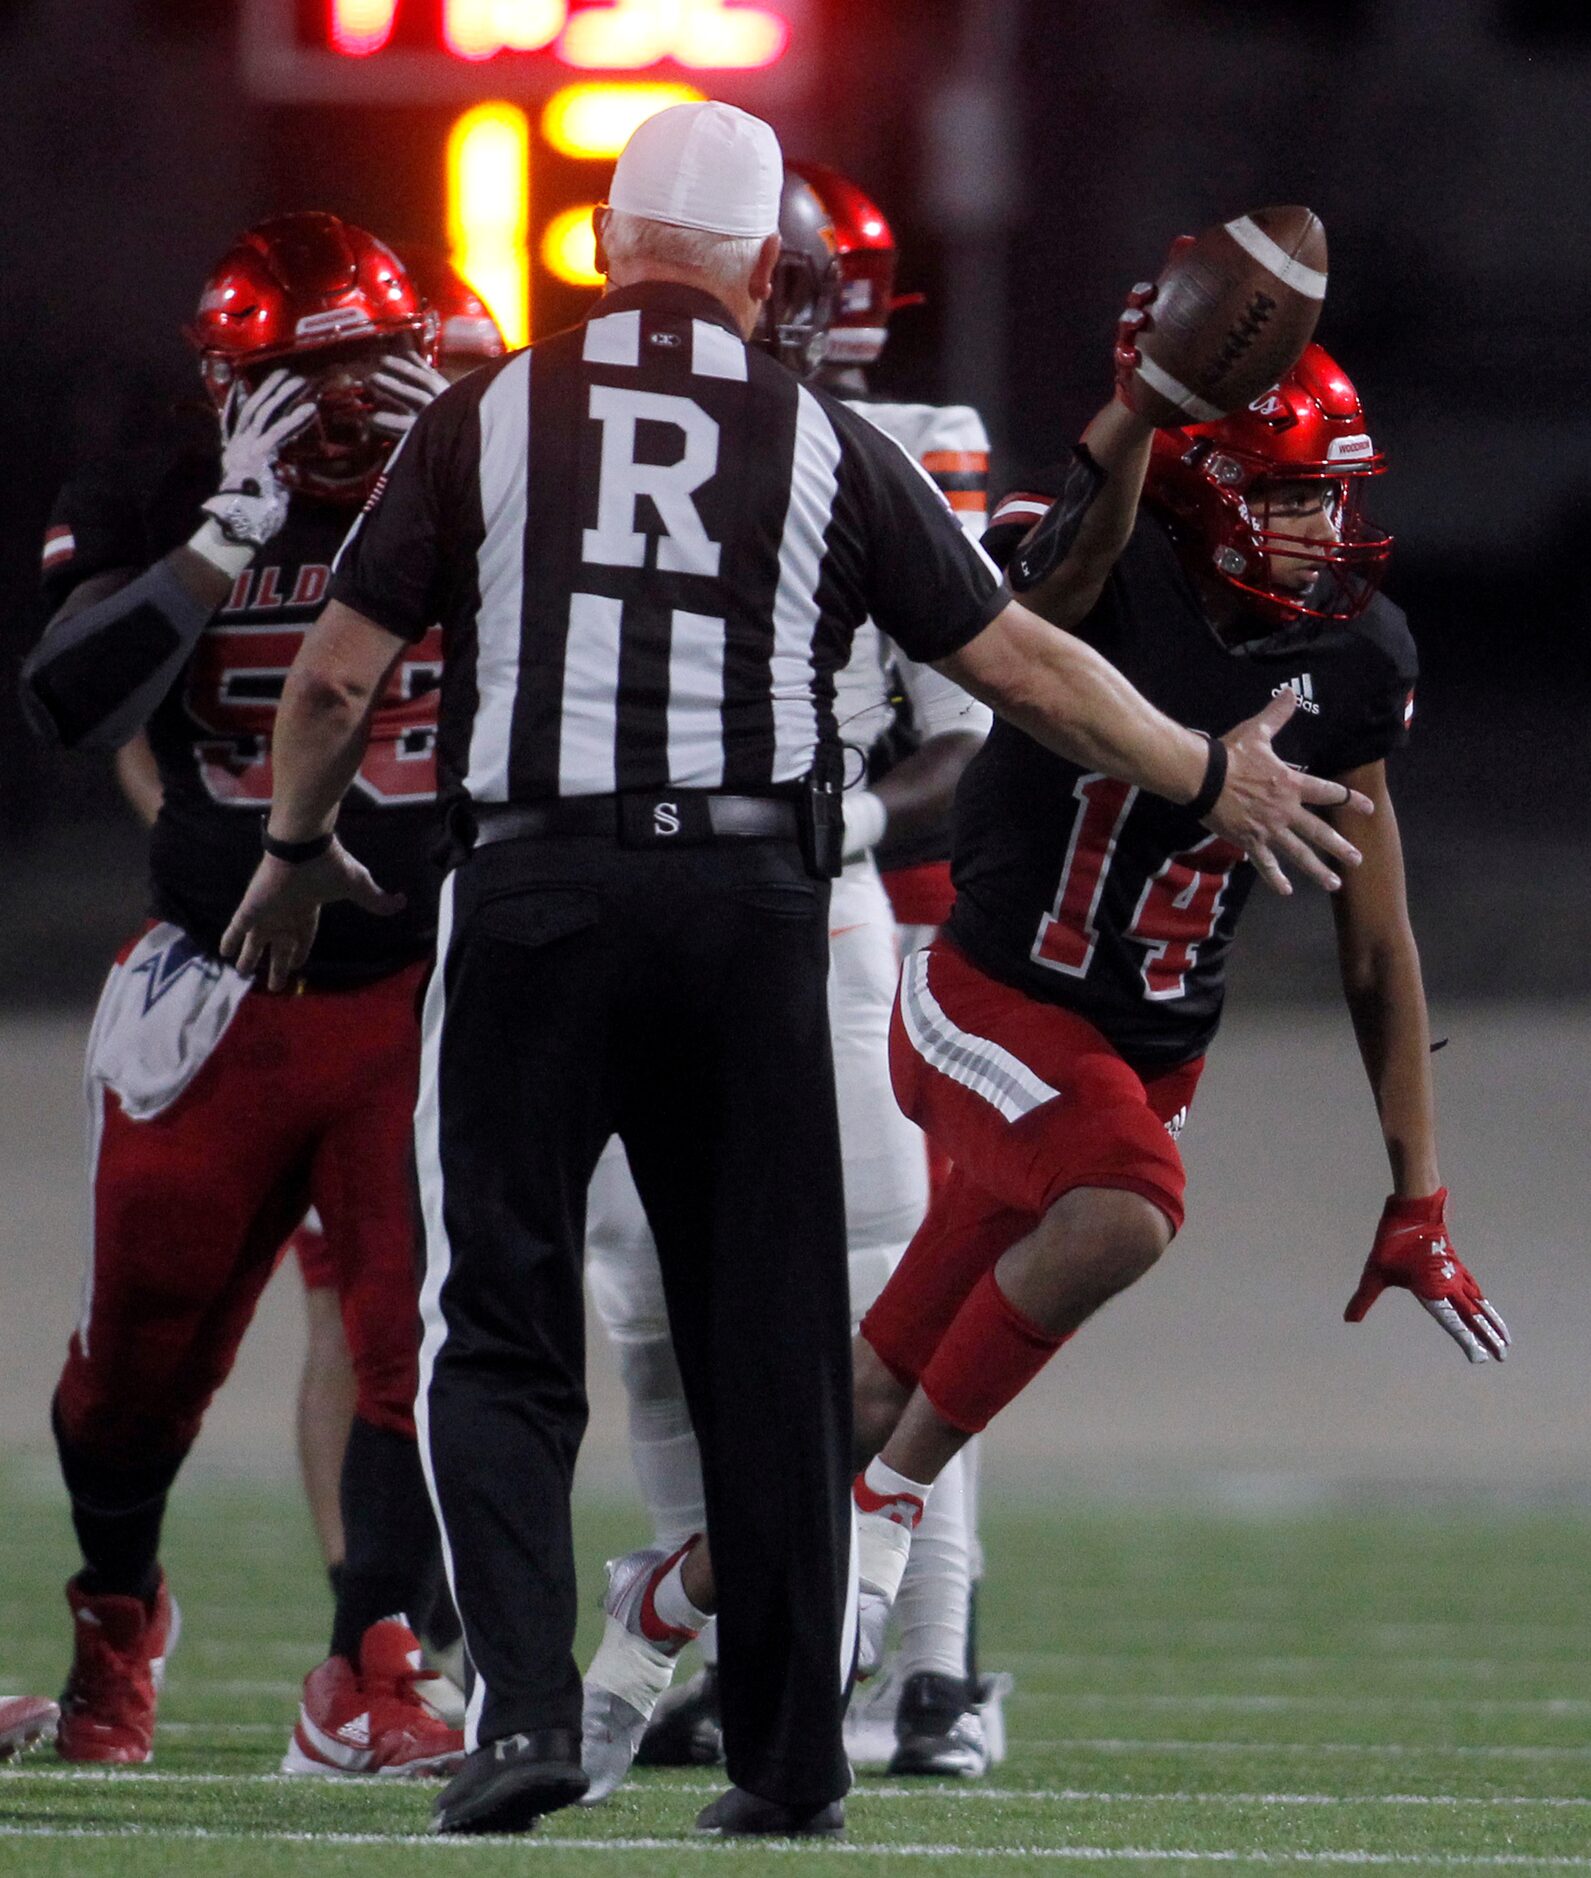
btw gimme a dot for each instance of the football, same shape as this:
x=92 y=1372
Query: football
x=1232 y=312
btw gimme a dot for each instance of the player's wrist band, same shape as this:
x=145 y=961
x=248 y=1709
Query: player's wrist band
x=211 y=543
x=1214 y=777
x=293 y=852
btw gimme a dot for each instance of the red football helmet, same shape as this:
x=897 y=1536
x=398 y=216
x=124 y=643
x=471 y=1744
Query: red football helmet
x=1208 y=482
x=860 y=323
x=327 y=299
x=469 y=335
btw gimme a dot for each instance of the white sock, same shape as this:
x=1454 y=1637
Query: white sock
x=935 y=1595
x=672 y=1602
x=891 y=1495
x=668 y=1466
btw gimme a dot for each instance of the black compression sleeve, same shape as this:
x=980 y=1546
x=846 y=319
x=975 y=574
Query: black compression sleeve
x=1050 y=540
x=93 y=679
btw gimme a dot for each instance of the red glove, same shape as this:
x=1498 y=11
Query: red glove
x=1413 y=1249
x=1135 y=321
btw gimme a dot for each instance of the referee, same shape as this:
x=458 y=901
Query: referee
x=649 y=547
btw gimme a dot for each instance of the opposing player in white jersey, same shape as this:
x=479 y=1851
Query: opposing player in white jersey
x=834 y=286
x=921 y=1714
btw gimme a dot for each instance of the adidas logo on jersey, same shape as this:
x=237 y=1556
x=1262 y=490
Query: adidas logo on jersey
x=1302 y=688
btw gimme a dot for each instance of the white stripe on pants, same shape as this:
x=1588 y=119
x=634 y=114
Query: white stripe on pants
x=438 y=1253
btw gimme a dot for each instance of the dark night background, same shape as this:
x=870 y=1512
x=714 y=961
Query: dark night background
x=1035 y=157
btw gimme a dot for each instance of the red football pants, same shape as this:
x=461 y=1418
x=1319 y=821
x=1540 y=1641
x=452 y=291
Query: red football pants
x=1029 y=1102
x=307 y=1098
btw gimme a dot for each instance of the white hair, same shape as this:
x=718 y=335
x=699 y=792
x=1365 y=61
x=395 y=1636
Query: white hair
x=725 y=260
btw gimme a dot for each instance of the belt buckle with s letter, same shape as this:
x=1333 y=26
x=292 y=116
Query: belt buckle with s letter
x=663 y=821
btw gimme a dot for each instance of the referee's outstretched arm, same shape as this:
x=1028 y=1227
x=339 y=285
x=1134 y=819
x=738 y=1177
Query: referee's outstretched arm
x=1064 y=695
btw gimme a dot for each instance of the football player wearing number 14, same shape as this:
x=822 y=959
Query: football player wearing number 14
x=182 y=581
x=1051 y=1043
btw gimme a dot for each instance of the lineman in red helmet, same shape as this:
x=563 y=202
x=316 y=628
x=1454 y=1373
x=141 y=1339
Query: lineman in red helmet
x=468 y=335
x=181 y=586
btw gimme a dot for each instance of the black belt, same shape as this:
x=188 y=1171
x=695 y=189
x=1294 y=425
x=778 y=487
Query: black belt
x=679 y=818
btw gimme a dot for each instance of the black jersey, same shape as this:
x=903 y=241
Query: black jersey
x=211 y=734
x=1083 y=891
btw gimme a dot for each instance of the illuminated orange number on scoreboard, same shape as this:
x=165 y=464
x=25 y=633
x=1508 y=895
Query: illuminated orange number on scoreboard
x=708 y=35
x=479 y=29
x=490 y=156
x=488 y=211
x=360 y=27
x=619 y=36
x=471 y=29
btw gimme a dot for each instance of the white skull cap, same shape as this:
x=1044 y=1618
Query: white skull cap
x=702 y=165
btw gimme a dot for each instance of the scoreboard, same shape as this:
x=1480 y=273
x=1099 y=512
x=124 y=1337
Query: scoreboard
x=541 y=91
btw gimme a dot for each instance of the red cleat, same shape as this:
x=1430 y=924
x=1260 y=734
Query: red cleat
x=25 y=1719
x=118 y=1665
x=373 y=1721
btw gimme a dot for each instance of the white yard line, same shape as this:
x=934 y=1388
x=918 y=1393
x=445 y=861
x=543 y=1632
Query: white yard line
x=1293 y=1662
x=1243 y=1632
x=225 y=1685
x=1565 y=1705
x=935 y=1790
x=1108 y=1744
x=808 y=1849
x=281 y=1729
x=1087 y=1744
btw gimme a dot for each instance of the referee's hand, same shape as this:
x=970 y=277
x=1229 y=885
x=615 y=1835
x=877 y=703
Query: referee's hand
x=275 y=922
x=1264 y=806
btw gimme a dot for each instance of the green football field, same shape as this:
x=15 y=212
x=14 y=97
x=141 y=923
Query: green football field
x=1277 y=1690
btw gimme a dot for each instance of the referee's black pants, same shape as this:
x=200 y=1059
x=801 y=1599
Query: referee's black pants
x=677 y=998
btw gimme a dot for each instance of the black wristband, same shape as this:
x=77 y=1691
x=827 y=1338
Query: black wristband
x=293 y=852
x=1214 y=778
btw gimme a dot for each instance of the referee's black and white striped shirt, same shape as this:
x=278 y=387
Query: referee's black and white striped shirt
x=649 y=546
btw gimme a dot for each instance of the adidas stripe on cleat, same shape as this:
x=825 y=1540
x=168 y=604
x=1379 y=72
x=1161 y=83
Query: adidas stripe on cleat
x=373 y=1720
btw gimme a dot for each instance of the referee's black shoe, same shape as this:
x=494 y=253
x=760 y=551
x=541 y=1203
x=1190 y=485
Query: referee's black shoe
x=739 y=1814
x=506 y=1785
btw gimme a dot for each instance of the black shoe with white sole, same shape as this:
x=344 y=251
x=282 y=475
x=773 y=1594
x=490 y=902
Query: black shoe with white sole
x=739 y=1814
x=685 y=1730
x=506 y=1785
x=938 y=1730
